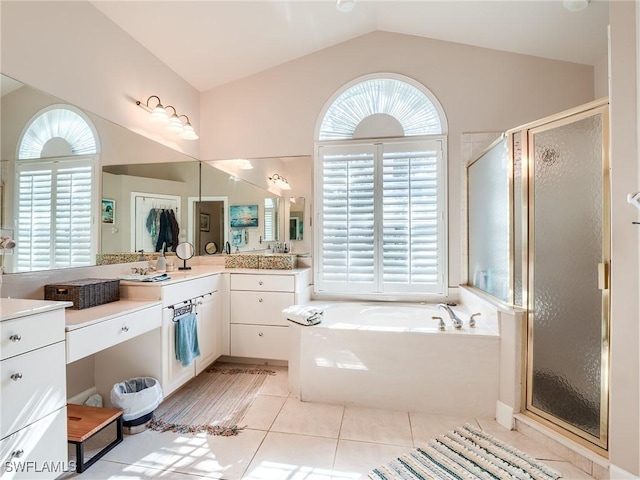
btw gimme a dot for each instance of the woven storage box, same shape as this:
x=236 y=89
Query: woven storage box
x=85 y=293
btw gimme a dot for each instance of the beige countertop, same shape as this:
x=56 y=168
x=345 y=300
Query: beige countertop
x=75 y=319
x=11 y=308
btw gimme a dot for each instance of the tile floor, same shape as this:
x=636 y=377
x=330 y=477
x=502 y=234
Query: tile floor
x=286 y=439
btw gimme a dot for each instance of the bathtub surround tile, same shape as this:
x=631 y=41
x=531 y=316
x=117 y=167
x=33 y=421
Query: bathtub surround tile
x=263 y=412
x=207 y=456
x=378 y=426
x=289 y=456
x=355 y=459
x=306 y=418
x=426 y=426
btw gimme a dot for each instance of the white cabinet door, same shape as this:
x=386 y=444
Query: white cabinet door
x=209 y=331
x=174 y=375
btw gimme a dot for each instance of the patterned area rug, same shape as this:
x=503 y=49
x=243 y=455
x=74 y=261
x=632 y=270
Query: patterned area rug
x=213 y=402
x=466 y=453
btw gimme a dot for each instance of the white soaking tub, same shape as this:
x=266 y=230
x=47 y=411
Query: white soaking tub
x=393 y=356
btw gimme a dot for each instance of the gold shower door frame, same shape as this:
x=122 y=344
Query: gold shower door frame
x=528 y=132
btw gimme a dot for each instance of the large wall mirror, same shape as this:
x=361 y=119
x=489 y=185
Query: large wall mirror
x=133 y=178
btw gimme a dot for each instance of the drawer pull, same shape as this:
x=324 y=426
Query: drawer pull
x=125 y=329
x=260 y=300
x=260 y=282
x=15 y=338
x=16 y=376
x=17 y=453
x=260 y=334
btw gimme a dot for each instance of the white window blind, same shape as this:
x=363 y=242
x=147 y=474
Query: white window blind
x=269 y=219
x=55 y=205
x=381 y=218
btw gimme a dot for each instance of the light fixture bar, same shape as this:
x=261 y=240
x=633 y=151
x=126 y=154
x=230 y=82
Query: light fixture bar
x=280 y=181
x=173 y=123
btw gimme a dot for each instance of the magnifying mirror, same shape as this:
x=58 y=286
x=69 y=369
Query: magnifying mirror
x=210 y=248
x=184 y=251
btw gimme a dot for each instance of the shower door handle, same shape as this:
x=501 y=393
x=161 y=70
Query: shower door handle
x=603 y=276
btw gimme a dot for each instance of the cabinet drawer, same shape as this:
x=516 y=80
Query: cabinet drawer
x=28 y=333
x=258 y=341
x=260 y=308
x=33 y=385
x=38 y=451
x=181 y=291
x=263 y=283
x=89 y=340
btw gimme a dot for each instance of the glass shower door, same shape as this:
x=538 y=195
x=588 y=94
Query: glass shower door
x=568 y=274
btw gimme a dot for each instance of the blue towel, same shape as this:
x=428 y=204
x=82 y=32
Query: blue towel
x=187 y=339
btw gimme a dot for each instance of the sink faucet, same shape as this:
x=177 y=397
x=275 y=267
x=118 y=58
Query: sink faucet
x=457 y=323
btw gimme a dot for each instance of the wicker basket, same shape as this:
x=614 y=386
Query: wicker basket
x=85 y=293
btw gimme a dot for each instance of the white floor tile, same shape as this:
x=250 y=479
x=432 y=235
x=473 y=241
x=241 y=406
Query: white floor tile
x=208 y=456
x=277 y=384
x=307 y=418
x=518 y=440
x=568 y=470
x=293 y=457
x=105 y=470
x=377 y=426
x=263 y=412
x=426 y=427
x=355 y=459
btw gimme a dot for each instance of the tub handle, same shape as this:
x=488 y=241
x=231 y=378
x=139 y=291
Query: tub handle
x=260 y=334
x=440 y=323
x=472 y=319
x=260 y=300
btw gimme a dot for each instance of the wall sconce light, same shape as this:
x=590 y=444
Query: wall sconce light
x=280 y=181
x=244 y=164
x=174 y=123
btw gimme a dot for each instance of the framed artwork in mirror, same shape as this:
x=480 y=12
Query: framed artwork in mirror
x=108 y=214
x=243 y=216
x=205 y=222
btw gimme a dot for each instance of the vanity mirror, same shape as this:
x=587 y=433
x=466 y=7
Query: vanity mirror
x=137 y=175
x=296 y=218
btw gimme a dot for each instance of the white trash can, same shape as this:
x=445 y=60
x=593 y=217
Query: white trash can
x=137 y=398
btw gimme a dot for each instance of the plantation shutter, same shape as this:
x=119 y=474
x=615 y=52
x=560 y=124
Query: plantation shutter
x=347 y=256
x=382 y=218
x=55 y=214
x=411 y=217
x=269 y=218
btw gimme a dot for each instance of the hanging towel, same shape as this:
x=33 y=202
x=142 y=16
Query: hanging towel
x=303 y=314
x=186 y=339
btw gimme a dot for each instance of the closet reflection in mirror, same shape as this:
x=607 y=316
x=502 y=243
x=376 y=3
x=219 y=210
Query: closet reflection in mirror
x=296 y=218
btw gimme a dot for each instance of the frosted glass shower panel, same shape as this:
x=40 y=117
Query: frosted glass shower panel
x=488 y=211
x=567 y=246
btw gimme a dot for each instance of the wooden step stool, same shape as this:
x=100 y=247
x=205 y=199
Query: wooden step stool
x=84 y=422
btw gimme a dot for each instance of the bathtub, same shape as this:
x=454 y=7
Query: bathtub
x=393 y=356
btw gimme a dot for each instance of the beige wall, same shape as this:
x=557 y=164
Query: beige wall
x=625 y=333
x=274 y=113
x=92 y=63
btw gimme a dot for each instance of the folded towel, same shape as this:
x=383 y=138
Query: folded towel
x=187 y=338
x=303 y=314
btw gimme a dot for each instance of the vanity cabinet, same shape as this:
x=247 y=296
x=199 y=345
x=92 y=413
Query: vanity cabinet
x=256 y=303
x=33 y=425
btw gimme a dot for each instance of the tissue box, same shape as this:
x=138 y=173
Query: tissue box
x=85 y=293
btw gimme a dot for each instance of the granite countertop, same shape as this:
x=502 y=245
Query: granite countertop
x=11 y=308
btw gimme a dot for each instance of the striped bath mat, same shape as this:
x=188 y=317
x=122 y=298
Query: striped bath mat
x=466 y=453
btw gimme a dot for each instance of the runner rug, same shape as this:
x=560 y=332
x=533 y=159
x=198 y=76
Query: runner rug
x=213 y=402
x=466 y=453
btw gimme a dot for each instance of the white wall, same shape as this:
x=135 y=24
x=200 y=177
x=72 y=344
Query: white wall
x=92 y=63
x=624 y=423
x=274 y=113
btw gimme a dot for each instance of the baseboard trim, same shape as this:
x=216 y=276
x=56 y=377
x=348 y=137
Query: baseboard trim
x=504 y=415
x=618 y=473
x=81 y=397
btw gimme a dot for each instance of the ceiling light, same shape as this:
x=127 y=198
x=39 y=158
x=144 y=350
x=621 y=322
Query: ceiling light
x=280 y=182
x=244 y=164
x=575 y=5
x=174 y=123
x=345 y=6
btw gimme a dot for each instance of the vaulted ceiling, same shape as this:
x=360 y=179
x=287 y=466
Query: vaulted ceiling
x=211 y=42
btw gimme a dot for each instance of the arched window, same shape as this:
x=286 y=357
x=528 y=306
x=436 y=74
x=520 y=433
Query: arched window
x=381 y=190
x=56 y=191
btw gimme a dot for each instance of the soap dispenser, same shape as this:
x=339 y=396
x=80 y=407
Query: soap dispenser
x=161 y=263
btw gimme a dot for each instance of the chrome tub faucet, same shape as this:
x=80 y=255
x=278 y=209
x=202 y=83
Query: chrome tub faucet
x=457 y=323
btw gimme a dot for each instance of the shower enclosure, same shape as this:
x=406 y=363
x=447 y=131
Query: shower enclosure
x=557 y=229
